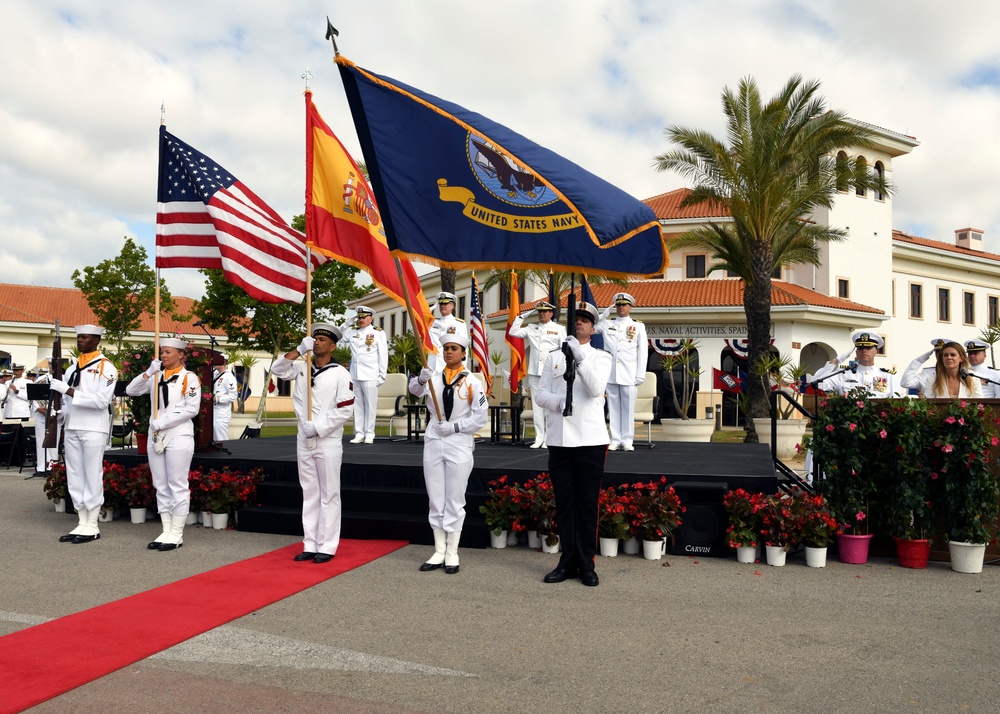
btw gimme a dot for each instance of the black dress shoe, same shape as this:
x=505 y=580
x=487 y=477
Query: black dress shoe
x=85 y=538
x=68 y=538
x=426 y=567
x=559 y=575
x=450 y=569
x=164 y=547
x=305 y=555
x=153 y=545
x=590 y=579
x=322 y=558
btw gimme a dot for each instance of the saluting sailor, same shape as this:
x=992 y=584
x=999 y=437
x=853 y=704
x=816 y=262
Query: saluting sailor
x=975 y=350
x=542 y=338
x=319 y=445
x=881 y=383
x=89 y=386
x=225 y=390
x=447 y=324
x=171 y=436
x=625 y=339
x=448 y=446
x=369 y=365
x=17 y=406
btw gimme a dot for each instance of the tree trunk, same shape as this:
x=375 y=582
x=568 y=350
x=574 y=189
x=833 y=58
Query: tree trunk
x=448 y=276
x=757 y=306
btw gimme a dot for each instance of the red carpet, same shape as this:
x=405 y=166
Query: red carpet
x=44 y=661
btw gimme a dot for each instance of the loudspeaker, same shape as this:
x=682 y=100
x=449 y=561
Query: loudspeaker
x=703 y=523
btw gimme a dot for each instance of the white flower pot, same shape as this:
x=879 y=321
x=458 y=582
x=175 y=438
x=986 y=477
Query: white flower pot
x=533 y=540
x=511 y=537
x=690 y=430
x=220 y=521
x=498 y=541
x=550 y=548
x=631 y=546
x=775 y=555
x=138 y=515
x=191 y=519
x=967 y=557
x=790 y=433
x=206 y=519
x=653 y=549
x=815 y=557
x=105 y=515
x=60 y=505
x=609 y=547
x=746 y=554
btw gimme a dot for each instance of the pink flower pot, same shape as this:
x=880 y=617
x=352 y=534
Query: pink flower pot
x=853 y=549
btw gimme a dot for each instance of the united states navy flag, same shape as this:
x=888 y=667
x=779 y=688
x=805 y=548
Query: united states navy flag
x=460 y=190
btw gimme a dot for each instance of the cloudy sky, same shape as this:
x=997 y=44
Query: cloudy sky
x=82 y=81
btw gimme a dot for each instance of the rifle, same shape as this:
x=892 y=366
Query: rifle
x=570 y=375
x=55 y=398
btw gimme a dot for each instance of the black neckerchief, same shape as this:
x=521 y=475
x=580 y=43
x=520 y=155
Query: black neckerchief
x=317 y=371
x=448 y=393
x=164 y=392
x=74 y=380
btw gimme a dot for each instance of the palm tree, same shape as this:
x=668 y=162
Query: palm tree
x=775 y=168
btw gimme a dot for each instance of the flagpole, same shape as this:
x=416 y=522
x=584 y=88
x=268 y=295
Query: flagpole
x=309 y=391
x=420 y=341
x=156 y=342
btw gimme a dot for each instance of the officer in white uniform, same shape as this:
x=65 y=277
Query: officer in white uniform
x=40 y=410
x=880 y=382
x=625 y=339
x=577 y=447
x=17 y=406
x=89 y=389
x=225 y=390
x=5 y=378
x=171 y=435
x=975 y=350
x=369 y=365
x=542 y=338
x=447 y=324
x=319 y=444
x=448 y=446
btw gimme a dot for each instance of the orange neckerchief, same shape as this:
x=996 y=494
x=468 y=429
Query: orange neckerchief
x=168 y=373
x=84 y=359
x=450 y=374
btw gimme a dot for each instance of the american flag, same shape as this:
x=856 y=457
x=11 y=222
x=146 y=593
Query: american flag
x=477 y=332
x=206 y=218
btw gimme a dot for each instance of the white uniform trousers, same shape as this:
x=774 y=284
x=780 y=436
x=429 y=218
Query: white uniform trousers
x=365 y=401
x=319 y=476
x=621 y=412
x=447 y=466
x=85 y=467
x=170 y=474
x=540 y=416
x=221 y=415
x=43 y=457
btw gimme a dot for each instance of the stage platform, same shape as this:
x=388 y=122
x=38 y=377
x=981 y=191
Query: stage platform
x=383 y=487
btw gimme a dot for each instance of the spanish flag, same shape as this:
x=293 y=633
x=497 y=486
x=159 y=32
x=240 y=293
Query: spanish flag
x=518 y=365
x=344 y=223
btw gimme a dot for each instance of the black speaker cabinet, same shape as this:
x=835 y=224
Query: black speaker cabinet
x=703 y=528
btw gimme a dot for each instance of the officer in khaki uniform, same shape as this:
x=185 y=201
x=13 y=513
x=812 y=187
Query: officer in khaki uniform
x=625 y=339
x=542 y=338
x=369 y=365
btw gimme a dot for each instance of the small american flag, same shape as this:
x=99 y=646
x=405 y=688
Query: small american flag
x=477 y=333
x=206 y=218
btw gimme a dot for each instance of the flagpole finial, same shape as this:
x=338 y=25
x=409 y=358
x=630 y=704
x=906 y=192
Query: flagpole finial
x=163 y=114
x=307 y=75
x=332 y=34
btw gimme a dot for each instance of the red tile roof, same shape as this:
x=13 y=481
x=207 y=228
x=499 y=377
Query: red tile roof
x=707 y=292
x=39 y=305
x=667 y=206
x=941 y=245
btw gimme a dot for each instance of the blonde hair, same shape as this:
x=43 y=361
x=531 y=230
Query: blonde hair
x=941 y=377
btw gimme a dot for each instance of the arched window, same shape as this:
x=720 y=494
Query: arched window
x=861 y=169
x=880 y=175
x=843 y=177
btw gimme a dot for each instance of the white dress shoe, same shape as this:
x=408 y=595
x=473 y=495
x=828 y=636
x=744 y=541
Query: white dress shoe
x=369 y=439
x=358 y=439
x=613 y=446
x=628 y=447
x=536 y=445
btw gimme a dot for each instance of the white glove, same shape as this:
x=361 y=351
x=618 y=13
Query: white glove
x=59 y=386
x=380 y=381
x=574 y=344
x=529 y=313
x=306 y=345
x=841 y=359
x=444 y=428
x=425 y=375
x=156 y=424
x=606 y=312
x=639 y=380
x=925 y=356
x=154 y=367
x=309 y=430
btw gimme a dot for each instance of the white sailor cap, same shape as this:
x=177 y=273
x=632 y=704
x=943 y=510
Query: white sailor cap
x=446 y=297
x=17 y=367
x=624 y=299
x=938 y=342
x=174 y=342
x=89 y=330
x=864 y=338
x=544 y=305
x=327 y=330
x=364 y=311
x=975 y=346
x=455 y=339
x=585 y=308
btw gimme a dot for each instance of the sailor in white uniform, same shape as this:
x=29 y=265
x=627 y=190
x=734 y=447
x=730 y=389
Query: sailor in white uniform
x=89 y=389
x=447 y=324
x=40 y=410
x=975 y=350
x=449 y=442
x=625 y=339
x=542 y=338
x=171 y=436
x=881 y=383
x=319 y=445
x=225 y=390
x=17 y=405
x=369 y=365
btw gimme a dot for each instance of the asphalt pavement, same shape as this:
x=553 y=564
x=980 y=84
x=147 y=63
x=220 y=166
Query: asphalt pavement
x=676 y=635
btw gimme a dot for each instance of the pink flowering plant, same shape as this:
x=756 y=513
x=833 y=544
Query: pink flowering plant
x=132 y=361
x=743 y=509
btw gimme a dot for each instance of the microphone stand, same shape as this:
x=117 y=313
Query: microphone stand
x=966 y=373
x=853 y=369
